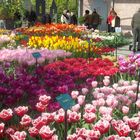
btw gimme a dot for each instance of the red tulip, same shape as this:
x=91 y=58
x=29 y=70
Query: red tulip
x=1 y=127
x=46 y=133
x=25 y=120
x=6 y=114
x=21 y=110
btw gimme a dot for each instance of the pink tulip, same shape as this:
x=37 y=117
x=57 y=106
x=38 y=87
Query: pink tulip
x=89 y=108
x=125 y=109
x=73 y=117
x=106 y=77
x=129 y=102
x=26 y=120
x=75 y=108
x=94 y=103
x=100 y=95
x=138 y=103
x=84 y=91
x=33 y=131
x=107 y=117
x=61 y=111
x=44 y=99
x=137 y=135
x=6 y=114
x=115 y=86
x=125 y=118
x=121 y=128
x=38 y=122
x=74 y=94
x=10 y=131
x=132 y=95
x=105 y=110
x=133 y=122
x=112 y=101
x=54 y=137
x=139 y=114
x=116 y=137
x=46 y=133
x=134 y=87
x=19 y=135
x=21 y=110
x=93 y=134
x=59 y=118
x=101 y=102
x=81 y=133
x=40 y=107
x=48 y=117
x=94 y=84
x=106 y=82
x=126 y=83
x=120 y=83
x=134 y=82
x=72 y=137
x=81 y=99
x=89 y=117
x=1 y=127
x=102 y=126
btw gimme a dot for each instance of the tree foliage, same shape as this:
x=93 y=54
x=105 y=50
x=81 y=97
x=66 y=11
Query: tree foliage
x=9 y=7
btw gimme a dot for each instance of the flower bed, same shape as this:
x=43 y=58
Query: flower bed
x=4 y=39
x=53 y=29
x=130 y=64
x=105 y=113
x=4 y=31
x=24 y=56
x=23 y=85
x=74 y=45
x=104 y=110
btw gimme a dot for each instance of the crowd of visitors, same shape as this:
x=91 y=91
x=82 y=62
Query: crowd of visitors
x=91 y=21
x=94 y=20
x=113 y=20
x=68 y=17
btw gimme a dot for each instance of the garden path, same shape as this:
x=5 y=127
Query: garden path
x=123 y=50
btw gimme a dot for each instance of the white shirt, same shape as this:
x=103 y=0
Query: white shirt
x=113 y=22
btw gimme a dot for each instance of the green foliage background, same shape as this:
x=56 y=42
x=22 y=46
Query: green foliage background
x=72 y=5
x=9 y=7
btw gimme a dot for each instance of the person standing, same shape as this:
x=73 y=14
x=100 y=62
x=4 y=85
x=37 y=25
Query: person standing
x=88 y=19
x=64 y=17
x=117 y=21
x=96 y=20
x=73 y=19
x=110 y=19
x=46 y=19
x=31 y=18
x=135 y=23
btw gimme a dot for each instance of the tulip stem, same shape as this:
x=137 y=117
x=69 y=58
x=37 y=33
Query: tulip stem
x=116 y=52
x=66 y=125
x=137 y=90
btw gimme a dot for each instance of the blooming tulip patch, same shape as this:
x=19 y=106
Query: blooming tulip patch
x=53 y=76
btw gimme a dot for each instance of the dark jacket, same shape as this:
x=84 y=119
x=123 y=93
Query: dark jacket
x=117 y=21
x=46 y=19
x=32 y=16
x=136 y=20
x=73 y=20
x=88 y=19
x=96 y=18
